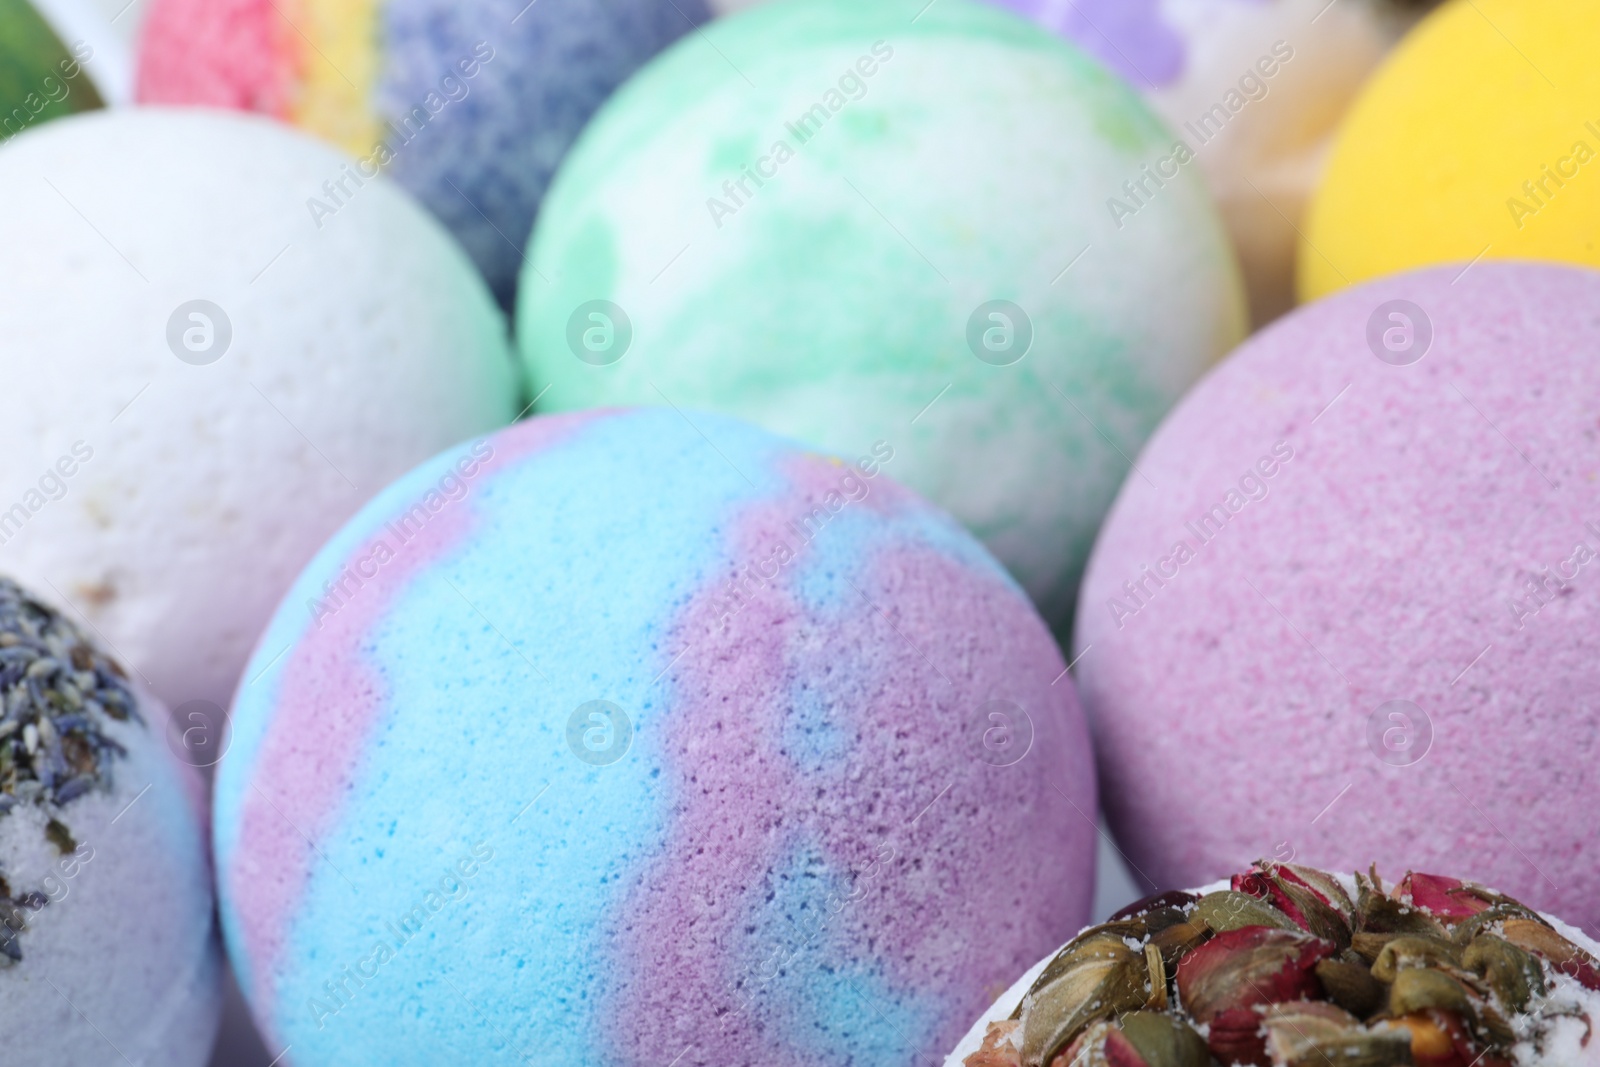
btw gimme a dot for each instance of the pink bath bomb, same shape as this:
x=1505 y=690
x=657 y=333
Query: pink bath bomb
x=1348 y=607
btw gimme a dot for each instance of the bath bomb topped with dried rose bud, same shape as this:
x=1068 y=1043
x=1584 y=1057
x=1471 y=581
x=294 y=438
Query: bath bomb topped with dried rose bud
x=852 y=221
x=1354 y=612
x=469 y=104
x=242 y=381
x=1289 y=966
x=106 y=930
x=1252 y=89
x=630 y=731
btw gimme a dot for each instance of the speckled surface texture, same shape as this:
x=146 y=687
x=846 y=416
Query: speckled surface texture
x=954 y=155
x=1398 y=555
x=504 y=87
x=797 y=858
x=115 y=931
x=172 y=502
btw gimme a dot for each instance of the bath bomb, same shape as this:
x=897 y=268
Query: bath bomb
x=850 y=222
x=47 y=66
x=1356 y=610
x=1254 y=89
x=1283 y=964
x=1476 y=139
x=107 y=943
x=619 y=733
x=206 y=382
x=469 y=104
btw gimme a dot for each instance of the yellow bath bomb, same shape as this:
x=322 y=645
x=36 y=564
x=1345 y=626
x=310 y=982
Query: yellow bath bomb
x=1479 y=136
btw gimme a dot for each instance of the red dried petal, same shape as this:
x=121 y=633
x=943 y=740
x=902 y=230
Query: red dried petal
x=1432 y=893
x=1248 y=966
x=1259 y=886
x=1236 y=1037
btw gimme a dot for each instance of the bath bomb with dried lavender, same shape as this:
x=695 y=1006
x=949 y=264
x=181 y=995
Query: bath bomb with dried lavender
x=1283 y=964
x=1356 y=610
x=106 y=930
x=240 y=383
x=469 y=104
x=850 y=221
x=620 y=732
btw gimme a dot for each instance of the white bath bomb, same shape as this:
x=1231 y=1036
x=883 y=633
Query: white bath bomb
x=108 y=948
x=205 y=376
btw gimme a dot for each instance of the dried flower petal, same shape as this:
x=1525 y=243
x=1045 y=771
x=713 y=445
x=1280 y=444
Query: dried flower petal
x=1233 y=910
x=1163 y=1041
x=1352 y=987
x=1409 y=950
x=1249 y=966
x=1313 y=1034
x=1449 y=899
x=1512 y=973
x=1569 y=959
x=1101 y=977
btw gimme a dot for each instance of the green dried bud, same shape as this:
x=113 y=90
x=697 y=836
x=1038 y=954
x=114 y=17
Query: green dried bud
x=1228 y=910
x=1513 y=974
x=1163 y=1041
x=1402 y=953
x=1352 y=987
x=1100 y=977
x=1419 y=989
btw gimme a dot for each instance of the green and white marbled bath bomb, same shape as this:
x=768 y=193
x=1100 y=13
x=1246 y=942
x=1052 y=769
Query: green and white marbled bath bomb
x=801 y=216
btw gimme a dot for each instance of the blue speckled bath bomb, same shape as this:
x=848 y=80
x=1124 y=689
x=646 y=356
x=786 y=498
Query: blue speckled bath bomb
x=617 y=739
x=469 y=103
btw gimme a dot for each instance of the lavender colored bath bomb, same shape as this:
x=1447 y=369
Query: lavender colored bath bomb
x=617 y=739
x=1355 y=611
x=107 y=940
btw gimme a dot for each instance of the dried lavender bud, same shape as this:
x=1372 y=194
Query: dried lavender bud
x=58 y=695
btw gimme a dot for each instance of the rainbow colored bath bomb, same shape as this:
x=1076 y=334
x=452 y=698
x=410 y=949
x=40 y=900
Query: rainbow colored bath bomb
x=236 y=383
x=470 y=104
x=901 y=228
x=1256 y=89
x=106 y=930
x=1479 y=137
x=620 y=732
x=1359 y=619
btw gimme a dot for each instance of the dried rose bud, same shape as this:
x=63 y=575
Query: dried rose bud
x=1351 y=986
x=1099 y=977
x=1252 y=965
x=1313 y=1034
x=1234 y=910
x=1513 y=974
x=1411 y=950
x=1377 y=912
x=1569 y=959
x=1139 y=1039
x=1172 y=898
x=1448 y=899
